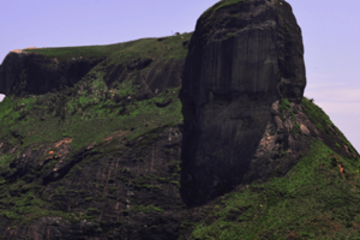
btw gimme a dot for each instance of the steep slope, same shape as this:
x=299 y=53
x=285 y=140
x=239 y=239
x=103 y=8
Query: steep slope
x=245 y=63
x=98 y=159
x=195 y=136
x=317 y=199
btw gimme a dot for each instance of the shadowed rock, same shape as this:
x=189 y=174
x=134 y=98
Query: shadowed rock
x=26 y=73
x=242 y=58
x=91 y=162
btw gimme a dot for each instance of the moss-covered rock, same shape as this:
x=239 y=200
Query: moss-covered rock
x=104 y=147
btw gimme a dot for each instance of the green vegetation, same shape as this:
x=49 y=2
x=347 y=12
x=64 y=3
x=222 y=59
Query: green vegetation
x=208 y=17
x=230 y=34
x=85 y=122
x=285 y=106
x=5 y=159
x=209 y=13
x=322 y=121
x=68 y=53
x=145 y=182
x=152 y=181
x=317 y=116
x=146 y=209
x=99 y=122
x=91 y=116
x=147 y=47
x=176 y=183
x=313 y=201
x=286 y=28
x=24 y=208
x=91 y=214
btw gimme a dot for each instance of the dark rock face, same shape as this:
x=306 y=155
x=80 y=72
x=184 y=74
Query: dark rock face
x=119 y=189
x=130 y=190
x=162 y=75
x=244 y=121
x=24 y=73
x=242 y=58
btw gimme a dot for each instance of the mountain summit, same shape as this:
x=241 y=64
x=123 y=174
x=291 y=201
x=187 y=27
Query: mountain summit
x=203 y=135
x=245 y=60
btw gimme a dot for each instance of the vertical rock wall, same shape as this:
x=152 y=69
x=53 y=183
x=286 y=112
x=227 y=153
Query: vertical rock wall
x=26 y=73
x=243 y=57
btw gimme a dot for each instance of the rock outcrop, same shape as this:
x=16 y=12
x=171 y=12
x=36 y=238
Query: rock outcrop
x=125 y=194
x=125 y=185
x=243 y=57
x=136 y=140
x=25 y=73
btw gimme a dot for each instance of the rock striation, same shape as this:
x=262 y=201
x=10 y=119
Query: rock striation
x=125 y=185
x=137 y=140
x=243 y=57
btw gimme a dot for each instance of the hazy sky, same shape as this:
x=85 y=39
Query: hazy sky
x=330 y=33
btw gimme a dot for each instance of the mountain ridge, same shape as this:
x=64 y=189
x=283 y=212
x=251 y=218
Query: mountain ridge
x=108 y=154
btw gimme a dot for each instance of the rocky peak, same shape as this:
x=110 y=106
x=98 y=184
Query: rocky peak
x=125 y=151
x=243 y=57
x=252 y=46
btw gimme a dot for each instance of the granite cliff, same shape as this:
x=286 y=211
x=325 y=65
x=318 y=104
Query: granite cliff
x=202 y=135
x=244 y=60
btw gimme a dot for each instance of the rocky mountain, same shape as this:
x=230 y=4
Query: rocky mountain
x=203 y=135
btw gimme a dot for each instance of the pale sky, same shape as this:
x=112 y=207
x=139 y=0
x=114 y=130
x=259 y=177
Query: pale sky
x=330 y=34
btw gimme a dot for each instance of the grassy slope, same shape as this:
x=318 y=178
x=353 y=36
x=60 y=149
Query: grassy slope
x=323 y=122
x=147 y=47
x=87 y=113
x=313 y=201
x=91 y=110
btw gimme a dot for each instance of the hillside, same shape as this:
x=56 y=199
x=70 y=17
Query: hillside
x=202 y=135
